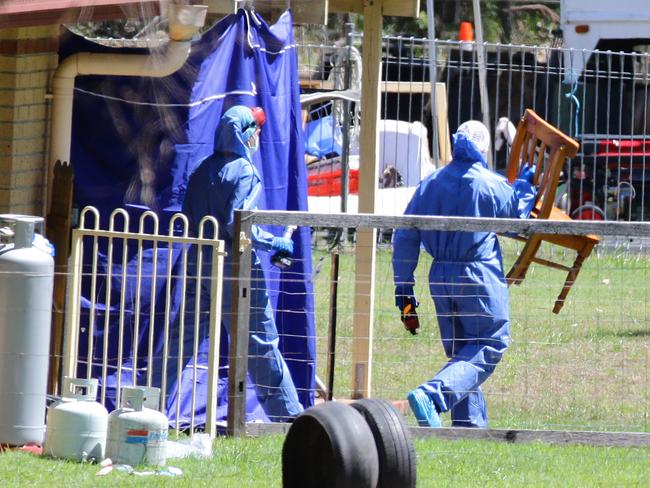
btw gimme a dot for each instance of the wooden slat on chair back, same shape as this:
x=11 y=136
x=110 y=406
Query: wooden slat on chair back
x=539 y=143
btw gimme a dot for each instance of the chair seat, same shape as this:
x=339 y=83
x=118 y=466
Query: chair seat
x=575 y=242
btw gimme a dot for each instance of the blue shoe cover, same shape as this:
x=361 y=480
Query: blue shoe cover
x=423 y=408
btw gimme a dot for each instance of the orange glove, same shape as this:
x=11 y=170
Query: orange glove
x=410 y=316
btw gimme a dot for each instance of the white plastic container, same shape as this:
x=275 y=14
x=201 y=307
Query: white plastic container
x=77 y=425
x=137 y=434
x=26 y=282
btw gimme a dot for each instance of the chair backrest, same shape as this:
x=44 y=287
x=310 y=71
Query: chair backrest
x=538 y=143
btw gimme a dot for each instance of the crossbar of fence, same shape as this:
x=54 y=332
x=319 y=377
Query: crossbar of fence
x=469 y=224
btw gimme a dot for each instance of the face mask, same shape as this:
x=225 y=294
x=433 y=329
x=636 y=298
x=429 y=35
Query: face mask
x=253 y=143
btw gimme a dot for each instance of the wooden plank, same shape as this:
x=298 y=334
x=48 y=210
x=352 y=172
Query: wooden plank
x=444 y=141
x=346 y=6
x=554 y=437
x=303 y=11
x=611 y=439
x=398 y=8
x=240 y=308
x=406 y=87
x=401 y=8
x=366 y=238
x=466 y=224
x=58 y=227
x=310 y=11
x=222 y=7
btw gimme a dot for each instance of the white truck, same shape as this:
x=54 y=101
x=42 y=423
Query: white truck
x=611 y=177
x=619 y=25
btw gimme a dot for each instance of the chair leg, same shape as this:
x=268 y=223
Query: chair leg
x=519 y=269
x=570 y=279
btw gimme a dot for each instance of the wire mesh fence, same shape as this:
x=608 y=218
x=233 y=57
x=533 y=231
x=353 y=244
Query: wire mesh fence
x=583 y=369
x=598 y=97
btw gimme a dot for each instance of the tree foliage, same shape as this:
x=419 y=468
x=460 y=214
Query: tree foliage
x=503 y=21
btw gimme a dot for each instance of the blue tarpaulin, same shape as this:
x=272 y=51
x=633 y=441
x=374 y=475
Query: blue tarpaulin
x=137 y=140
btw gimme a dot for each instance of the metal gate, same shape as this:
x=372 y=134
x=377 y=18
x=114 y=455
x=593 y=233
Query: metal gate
x=101 y=257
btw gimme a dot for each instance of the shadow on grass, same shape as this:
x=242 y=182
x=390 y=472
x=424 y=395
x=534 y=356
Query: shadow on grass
x=625 y=333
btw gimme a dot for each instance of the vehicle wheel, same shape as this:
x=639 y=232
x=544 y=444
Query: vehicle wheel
x=393 y=440
x=327 y=446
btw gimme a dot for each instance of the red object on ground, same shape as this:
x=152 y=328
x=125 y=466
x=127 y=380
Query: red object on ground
x=328 y=184
x=31 y=448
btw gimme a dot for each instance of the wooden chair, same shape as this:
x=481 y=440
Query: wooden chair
x=538 y=143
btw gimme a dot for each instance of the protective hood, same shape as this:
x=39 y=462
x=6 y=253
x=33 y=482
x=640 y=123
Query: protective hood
x=233 y=131
x=466 y=151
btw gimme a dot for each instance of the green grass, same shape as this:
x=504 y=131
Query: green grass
x=256 y=462
x=583 y=369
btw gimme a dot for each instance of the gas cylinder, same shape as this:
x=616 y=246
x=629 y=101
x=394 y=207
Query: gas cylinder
x=26 y=282
x=77 y=425
x=138 y=434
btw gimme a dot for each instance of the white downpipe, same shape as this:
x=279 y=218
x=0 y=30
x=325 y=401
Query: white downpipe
x=185 y=21
x=102 y=64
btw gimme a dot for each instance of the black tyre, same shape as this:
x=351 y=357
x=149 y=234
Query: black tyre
x=329 y=446
x=397 y=462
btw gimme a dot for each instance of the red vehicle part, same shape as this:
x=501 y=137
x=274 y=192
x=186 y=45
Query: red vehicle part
x=328 y=184
x=625 y=154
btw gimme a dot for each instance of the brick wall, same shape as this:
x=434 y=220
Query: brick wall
x=28 y=58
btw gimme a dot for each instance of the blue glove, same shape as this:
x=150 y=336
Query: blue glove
x=528 y=173
x=282 y=245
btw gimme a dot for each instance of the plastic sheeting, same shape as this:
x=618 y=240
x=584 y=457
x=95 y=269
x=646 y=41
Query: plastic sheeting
x=137 y=140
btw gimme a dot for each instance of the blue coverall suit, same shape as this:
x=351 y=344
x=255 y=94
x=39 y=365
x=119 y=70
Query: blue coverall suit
x=466 y=279
x=225 y=181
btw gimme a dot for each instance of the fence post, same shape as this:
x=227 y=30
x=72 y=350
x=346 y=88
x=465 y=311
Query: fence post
x=368 y=161
x=239 y=324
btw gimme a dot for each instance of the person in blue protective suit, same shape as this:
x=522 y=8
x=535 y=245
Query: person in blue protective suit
x=466 y=279
x=223 y=182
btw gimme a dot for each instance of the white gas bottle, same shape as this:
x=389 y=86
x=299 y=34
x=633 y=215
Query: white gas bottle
x=77 y=424
x=138 y=434
x=26 y=281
